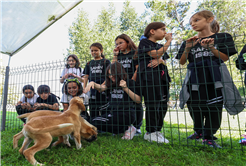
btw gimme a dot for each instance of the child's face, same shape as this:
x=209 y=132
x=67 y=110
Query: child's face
x=121 y=44
x=28 y=93
x=71 y=62
x=111 y=76
x=199 y=23
x=72 y=88
x=159 y=34
x=95 y=52
x=44 y=96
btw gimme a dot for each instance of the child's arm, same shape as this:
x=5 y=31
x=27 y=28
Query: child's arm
x=134 y=77
x=96 y=86
x=86 y=77
x=19 y=102
x=63 y=78
x=136 y=98
x=209 y=44
x=189 y=44
x=158 y=53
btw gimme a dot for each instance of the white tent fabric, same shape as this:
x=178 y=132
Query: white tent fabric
x=22 y=21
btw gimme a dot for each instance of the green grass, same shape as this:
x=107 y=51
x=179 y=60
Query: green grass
x=111 y=150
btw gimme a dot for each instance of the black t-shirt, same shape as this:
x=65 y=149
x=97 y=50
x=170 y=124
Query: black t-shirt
x=127 y=62
x=222 y=42
x=147 y=45
x=96 y=69
x=50 y=100
x=119 y=99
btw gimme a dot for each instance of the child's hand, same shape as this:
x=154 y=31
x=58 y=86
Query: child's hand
x=123 y=84
x=207 y=43
x=73 y=75
x=89 y=86
x=191 y=42
x=169 y=37
x=155 y=62
x=66 y=76
x=116 y=50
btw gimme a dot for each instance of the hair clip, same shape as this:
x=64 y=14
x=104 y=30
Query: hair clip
x=72 y=80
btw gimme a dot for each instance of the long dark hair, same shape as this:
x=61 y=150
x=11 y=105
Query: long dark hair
x=80 y=88
x=28 y=87
x=131 y=45
x=99 y=46
x=153 y=25
x=75 y=58
x=118 y=72
x=43 y=89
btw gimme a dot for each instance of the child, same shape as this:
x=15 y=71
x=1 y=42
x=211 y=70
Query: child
x=153 y=80
x=27 y=101
x=241 y=65
x=95 y=71
x=124 y=94
x=46 y=100
x=123 y=53
x=202 y=89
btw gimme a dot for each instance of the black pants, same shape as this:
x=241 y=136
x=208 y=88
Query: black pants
x=116 y=123
x=139 y=116
x=206 y=117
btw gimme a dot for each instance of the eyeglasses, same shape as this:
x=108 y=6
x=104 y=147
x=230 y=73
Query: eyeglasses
x=119 y=43
x=71 y=60
x=26 y=93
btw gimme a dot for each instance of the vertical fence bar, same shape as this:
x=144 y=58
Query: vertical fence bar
x=5 y=92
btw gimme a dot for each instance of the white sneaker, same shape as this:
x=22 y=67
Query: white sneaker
x=156 y=137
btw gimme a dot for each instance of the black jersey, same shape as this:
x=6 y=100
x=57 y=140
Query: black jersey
x=128 y=62
x=223 y=42
x=96 y=69
x=119 y=99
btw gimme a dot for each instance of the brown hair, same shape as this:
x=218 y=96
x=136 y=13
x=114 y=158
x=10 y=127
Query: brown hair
x=99 y=46
x=214 y=25
x=76 y=59
x=118 y=72
x=153 y=25
x=131 y=45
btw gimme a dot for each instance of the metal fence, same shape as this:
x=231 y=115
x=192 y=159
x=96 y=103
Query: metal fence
x=178 y=123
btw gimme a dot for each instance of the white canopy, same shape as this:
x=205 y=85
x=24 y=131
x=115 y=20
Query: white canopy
x=23 y=21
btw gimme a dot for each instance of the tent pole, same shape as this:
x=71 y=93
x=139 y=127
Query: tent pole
x=5 y=95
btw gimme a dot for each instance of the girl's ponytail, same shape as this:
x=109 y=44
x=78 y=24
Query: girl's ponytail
x=215 y=27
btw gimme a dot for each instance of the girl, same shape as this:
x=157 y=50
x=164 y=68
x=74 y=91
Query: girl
x=124 y=51
x=27 y=101
x=203 y=87
x=153 y=80
x=123 y=94
x=46 y=100
x=95 y=71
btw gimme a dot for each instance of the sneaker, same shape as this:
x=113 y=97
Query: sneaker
x=138 y=132
x=195 y=136
x=211 y=143
x=129 y=133
x=156 y=137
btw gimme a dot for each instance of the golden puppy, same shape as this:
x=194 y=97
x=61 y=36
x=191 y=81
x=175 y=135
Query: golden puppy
x=87 y=131
x=42 y=129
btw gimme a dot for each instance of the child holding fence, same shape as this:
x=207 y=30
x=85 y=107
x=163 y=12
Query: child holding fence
x=208 y=82
x=46 y=100
x=123 y=94
x=27 y=101
x=154 y=79
x=123 y=53
x=95 y=71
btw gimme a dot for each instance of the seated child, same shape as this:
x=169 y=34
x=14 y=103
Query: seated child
x=25 y=105
x=46 y=100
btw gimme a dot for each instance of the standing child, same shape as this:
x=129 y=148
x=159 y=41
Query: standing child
x=153 y=78
x=124 y=51
x=46 y=100
x=208 y=81
x=27 y=101
x=95 y=71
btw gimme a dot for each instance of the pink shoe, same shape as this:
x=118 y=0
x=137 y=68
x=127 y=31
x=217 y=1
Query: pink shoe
x=129 y=133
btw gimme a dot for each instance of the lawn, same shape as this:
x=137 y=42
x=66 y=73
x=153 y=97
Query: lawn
x=111 y=150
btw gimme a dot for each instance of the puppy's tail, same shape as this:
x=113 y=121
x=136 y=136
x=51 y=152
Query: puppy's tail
x=23 y=115
x=30 y=129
